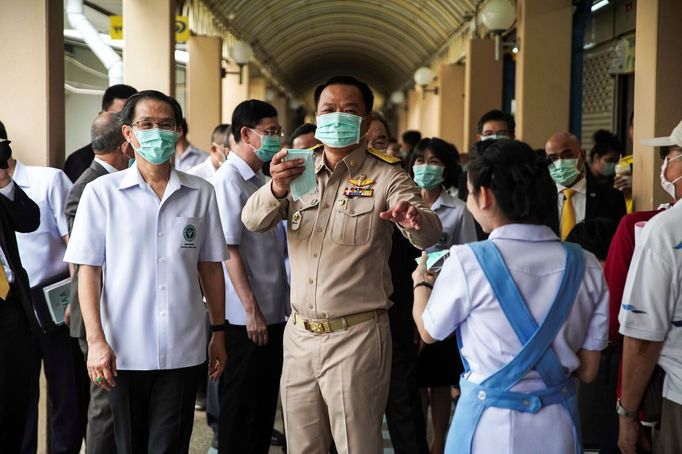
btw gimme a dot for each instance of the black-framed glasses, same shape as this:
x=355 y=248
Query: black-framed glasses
x=148 y=124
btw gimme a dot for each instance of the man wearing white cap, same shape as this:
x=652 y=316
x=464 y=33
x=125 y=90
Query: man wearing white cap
x=651 y=313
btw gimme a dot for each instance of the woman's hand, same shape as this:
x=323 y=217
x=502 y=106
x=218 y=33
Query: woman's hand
x=421 y=274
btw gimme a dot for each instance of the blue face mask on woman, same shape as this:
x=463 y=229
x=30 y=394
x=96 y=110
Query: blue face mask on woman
x=338 y=129
x=156 y=145
x=428 y=176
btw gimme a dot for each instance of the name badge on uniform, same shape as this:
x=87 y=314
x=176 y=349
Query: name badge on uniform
x=296 y=221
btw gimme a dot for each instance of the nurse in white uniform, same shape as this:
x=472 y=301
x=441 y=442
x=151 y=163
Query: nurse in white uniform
x=434 y=168
x=530 y=313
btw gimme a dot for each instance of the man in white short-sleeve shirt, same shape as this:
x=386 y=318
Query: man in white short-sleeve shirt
x=651 y=313
x=153 y=235
x=257 y=289
x=221 y=143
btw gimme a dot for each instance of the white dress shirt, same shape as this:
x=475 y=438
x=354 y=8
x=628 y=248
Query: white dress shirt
x=579 y=199
x=652 y=300
x=149 y=249
x=204 y=170
x=7 y=191
x=458 y=224
x=189 y=158
x=462 y=297
x=42 y=251
x=262 y=253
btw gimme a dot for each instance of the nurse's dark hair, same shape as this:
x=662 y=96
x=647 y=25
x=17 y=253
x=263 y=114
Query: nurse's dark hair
x=128 y=112
x=248 y=114
x=518 y=178
x=604 y=142
x=445 y=152
x=367 y=95
x=594 y=235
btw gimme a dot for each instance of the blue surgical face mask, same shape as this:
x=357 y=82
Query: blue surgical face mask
x=428 y=176
x=269 y=146
x=156 y=145
x=564 y=171
x=338 y=129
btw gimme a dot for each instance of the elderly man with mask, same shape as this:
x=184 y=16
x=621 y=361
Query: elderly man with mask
x=337 y=344
x=580 y=195
x=148 y=241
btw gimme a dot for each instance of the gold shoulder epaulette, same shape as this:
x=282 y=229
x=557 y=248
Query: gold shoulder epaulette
x=383 y=156
x=316 y=148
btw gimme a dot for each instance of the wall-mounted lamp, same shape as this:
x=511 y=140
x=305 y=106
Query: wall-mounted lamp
x=397 y=98
x=423 y=77
x=498 y=16
x=270 y=94
x=294 y=104
x=241 y=53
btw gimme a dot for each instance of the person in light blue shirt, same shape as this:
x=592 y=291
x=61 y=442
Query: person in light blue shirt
x=530 y=313
x=257 y=298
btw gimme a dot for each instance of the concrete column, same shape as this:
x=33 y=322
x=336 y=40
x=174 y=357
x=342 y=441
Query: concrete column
x=414 y=106
x=451 y=98
x=482 y=85
x=279 y=102
x=203 y=88
x=543 y=69
x=257 y=87
x=32 y=79
x=233 y=91
x=149 y=54
x=657 y=86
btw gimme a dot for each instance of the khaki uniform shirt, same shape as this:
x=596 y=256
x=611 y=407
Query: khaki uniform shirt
x=338 y=245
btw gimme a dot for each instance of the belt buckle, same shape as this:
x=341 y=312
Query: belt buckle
x=317 y=327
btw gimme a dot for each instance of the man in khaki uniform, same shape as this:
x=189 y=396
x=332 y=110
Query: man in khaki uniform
x=337 y=345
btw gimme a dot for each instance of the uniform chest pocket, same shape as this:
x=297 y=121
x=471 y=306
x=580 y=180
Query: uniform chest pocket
x=352 y=222
x=301 y=222
x=187 y=236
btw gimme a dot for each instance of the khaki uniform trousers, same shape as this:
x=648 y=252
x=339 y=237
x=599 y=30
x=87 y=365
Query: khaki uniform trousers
x=336 y=385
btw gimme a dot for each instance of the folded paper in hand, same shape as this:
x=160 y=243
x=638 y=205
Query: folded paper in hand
x=306 y=183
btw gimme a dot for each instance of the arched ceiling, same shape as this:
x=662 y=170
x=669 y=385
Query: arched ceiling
x=304 y=42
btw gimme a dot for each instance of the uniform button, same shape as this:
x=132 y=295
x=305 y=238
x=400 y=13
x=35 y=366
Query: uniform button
x=310 y=306
x=318 y=230
x=310 y=281
x=525 y=402
x=481 y=395
x=162 y=287
x=161 y=259
x=315 y=255
x=313 y=202
x=160 y=233
x=163 y=314
x=341 y=202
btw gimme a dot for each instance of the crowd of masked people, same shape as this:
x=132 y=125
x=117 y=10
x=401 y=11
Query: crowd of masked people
x=349 y=274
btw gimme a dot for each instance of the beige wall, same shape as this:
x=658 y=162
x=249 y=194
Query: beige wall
x=32 y=79
x=543 y=67
x=257 y=87
x=149 y=54
x=233 y=91
x=451 y=85
x=658 y=107
x=482 y=86
x=203 y=89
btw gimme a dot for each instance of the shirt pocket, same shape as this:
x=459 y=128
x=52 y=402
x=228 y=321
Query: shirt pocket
x=187 y=236
x=352 y=222
x=302 y=221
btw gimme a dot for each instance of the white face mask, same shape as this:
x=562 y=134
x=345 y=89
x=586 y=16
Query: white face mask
x=669 y=186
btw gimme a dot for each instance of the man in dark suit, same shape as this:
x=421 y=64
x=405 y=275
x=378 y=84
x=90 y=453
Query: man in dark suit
x=110 y=150
x=113 y=100
x=18 y=213
x=581 y=197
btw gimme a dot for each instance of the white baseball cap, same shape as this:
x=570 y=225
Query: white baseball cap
x=675 y=138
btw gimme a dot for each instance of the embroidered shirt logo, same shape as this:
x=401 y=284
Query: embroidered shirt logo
x=633 y=309
x=189 y=235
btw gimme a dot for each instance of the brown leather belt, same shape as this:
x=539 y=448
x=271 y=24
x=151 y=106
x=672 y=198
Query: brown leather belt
x=325 y=326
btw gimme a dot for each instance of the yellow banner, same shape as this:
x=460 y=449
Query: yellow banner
x=181 y=28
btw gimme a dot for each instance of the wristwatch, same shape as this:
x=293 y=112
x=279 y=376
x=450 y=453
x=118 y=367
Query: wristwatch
x=221 y=327
x=624 y=412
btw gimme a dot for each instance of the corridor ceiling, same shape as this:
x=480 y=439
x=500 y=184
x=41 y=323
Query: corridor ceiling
x=382 y=42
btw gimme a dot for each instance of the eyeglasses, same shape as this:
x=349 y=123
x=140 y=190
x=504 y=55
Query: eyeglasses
x=271 y=132
x=146 y=124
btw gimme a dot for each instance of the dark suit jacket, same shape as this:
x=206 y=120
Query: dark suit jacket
x=19 y=215
x=78 y=162
x=91 y=173
x=603 y=201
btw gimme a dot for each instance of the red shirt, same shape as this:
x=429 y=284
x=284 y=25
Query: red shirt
x=618 y=262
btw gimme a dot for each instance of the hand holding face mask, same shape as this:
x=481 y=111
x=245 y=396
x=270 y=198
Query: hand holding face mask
x=306 y=183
